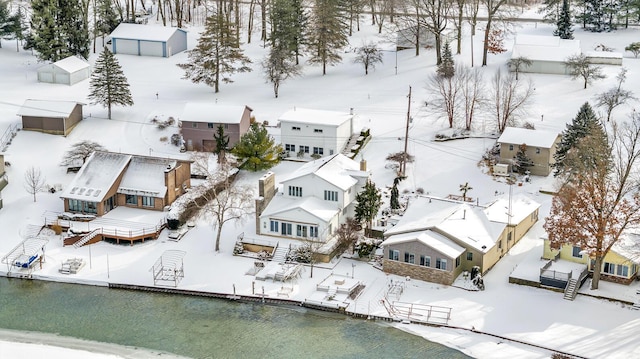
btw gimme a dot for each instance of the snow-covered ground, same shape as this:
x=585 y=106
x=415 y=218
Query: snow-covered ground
x=587 y=326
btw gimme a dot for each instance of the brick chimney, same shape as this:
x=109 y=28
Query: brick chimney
x=266 y=191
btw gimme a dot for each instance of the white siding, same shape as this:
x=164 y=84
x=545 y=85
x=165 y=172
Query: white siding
x=124 y=46
x=151 y=48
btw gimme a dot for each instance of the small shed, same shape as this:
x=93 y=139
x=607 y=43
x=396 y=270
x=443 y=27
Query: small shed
x=148 y=40
x=67 y=71
x=54 y=117
x=547 y=53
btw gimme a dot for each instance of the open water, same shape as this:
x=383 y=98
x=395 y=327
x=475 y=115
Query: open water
x=201 y=327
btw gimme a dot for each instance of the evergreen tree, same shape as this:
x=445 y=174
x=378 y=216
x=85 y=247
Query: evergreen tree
x=368 y=203
x=216 y=57
x=564 y=28
x=395 y=194
x=20 y=27
x=550 y=10
x=108 y=85
x=7 y=21
x=327 y=33
x=58 y=29
x=106 y=18
x=288 y=22
x=257 y=150
x=222 y=143
x=446 y=67
x=583 y=124
x=599 y=15
x=522 y=161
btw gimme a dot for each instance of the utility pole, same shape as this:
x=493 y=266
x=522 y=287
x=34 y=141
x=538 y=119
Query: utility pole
x=405 y=155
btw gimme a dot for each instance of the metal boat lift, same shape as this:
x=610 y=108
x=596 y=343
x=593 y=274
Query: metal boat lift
x=169 y=268
x=26 y=254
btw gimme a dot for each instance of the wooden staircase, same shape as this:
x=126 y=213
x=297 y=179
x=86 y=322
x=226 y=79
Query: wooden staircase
x=88 y=237
x=280 y=256
x=571 y=290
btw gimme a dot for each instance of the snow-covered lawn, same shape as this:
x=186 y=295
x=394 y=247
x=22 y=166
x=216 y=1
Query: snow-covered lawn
x=587 y=326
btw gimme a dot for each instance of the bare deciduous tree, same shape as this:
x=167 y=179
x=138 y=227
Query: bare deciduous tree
x=368 y=55
x=473 y=89
x=615 y=96
x=510 y=99
x=225 y=200
x=445 y=93
x=33 y=181
x=79 y=153
x=348 y=233
x=579 y=66
x=516 y=64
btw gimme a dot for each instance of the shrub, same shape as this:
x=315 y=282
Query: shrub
x=634 y=48
x=164 y=139
x=57 y=229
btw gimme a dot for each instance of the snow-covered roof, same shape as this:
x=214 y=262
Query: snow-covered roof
x=71 y=64
x=314 y=206
x=604 y=54
x=320 y=117
x=96 y=176
x=47 y=108
x=210 y=112
x=144 y=32
x=532 y=138
x=429 y=238
x=339 y=170
x=627 y=246
x=145 y=176
x=521 y=207
x=470 y=225
x=544 y=48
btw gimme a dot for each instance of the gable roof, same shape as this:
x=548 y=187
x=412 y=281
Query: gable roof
x=532 y=138
x=96 y=176
x=319 y=117
x=145 y=176
x=47 y=108
x=338 y=169
x=429 y=238
x=316 y=207
x=469 y=225
x=521 y=207
x=72 y=64
x=210 y=112
x=144 y=32
x=544 y=48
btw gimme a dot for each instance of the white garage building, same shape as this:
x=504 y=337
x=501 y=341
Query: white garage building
x=67 y=71
x=547 y=53
x=148 y=40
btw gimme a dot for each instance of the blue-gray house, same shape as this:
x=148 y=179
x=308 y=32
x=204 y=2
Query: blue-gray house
x=148 y=40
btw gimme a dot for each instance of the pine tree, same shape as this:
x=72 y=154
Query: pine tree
x=20 y=27
x=288 y=22
x=222 y=143
x=583 y=124
x=106 y=18
x=327 y=33
x=368 y=202
x=7 y=21
x=257 y=150
x=522 y=161
x=446 y=68
x=58 y=29
x=564 y=28
x=216 y=57
x=395 y=194
x=108 y=85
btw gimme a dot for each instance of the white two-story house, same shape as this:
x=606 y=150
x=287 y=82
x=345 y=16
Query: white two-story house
x=306 y=132
x=313 y=201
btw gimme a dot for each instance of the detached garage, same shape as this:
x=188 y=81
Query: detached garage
x=55 y=117
x=67 y=71
x=148 y=40
x=547 y=53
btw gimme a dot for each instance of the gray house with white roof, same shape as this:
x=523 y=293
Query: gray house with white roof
x=540 y=146
x=68 y=71
x=108 y=179
x=547 y=53
x=306 y=132
x=200 y=121
x=147 y=40
x=313 y=201
x=436 y=239
x=54 y=117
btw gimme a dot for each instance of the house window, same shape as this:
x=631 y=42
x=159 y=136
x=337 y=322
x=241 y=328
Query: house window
x=409 y=258
x=510 y=147
x=301 y=231
x=394 y=255
x=509 y=236
x=74 y=205
x=576 y=252
x=318 y=151
x=313 y=231
x=273 y=226
x=500 y=244
x=285 y=229
x=132 y=199
x=90 y=207
x=295 y=128
x=209 y=125
x=295 y=191
x=609 y=268
x=469 y=256
x=331 y=196
x=623 y=270
x=226 y=126
x=289 y=147
x=534 y=216
x=441 y=263
x=317 y=130
x=194 y=124
x=304 y=149
x=425 y=261
x=148 y=201
x=457 y=262
x=537 y=150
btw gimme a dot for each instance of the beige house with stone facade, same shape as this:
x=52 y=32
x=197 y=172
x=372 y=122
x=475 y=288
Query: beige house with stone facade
x=437 y=239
